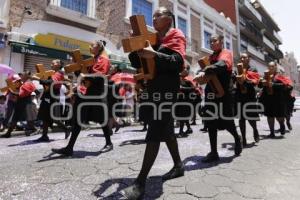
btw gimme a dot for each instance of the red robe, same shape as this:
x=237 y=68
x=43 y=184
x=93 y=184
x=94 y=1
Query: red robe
x=175 y=40
x=283 y=79
x=253 y=77
x=224 y=55
x=101 y=66
x=26 y=89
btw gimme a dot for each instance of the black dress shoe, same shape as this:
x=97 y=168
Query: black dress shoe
x=289 y=126
x=272 y=135
x=175 y=172
x=63 y=151
x=6 y=135
x=189 y=131
x=238 y=146
x=211 y=157
x=134 y=192
x=182 y=135
x=43 y=138
x=144 y=129
x=107 y=148
x=204 y=130
x=282 y=130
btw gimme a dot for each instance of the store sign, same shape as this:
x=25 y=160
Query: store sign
x=24 y=48
x=63 y=43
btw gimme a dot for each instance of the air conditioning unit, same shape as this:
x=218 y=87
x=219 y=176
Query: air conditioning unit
x=20 y=37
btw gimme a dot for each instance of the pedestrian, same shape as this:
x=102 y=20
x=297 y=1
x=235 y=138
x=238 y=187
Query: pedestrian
x=218 y=110
x=169 y=57
x=93 y=85
x=246 y=95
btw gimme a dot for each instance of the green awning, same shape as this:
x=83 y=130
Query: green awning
x=25 y=48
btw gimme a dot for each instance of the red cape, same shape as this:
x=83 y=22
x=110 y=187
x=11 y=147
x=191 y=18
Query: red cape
x=82 y=89
x=224 y=55
x=191 y=80
x=283 y=79
x=175 y=40
x=26 y=89
x=253 y=77
x=58 y=76
x=101 y=66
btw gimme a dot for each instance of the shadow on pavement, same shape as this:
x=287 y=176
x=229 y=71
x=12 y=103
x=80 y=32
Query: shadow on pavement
x=95 y=135
x=132 y=142
x=266 y=137
x=29 y=142
x=154 y=188
x=249 y=145
x=76 y=155
x=194 y=162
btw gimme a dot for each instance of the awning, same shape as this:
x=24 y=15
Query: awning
x=25 y=48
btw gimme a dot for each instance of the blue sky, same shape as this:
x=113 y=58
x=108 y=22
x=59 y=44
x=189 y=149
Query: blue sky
x=287 y=15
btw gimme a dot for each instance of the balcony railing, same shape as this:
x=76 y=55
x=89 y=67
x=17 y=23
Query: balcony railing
x=251 y=49
x=252 y=9
x=75 y=14
x=277 y=36
x=269 y=43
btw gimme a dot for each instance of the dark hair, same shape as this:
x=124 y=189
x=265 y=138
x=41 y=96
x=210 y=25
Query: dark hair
x=168 y=12
x=27 y=72
x=220 y=37
x=61 y=63
x=101 y=42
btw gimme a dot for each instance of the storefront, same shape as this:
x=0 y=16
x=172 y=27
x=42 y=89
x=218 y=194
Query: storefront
x=49 y=40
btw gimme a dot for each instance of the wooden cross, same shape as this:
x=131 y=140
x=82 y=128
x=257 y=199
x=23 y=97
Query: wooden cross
x=137 y=42
x=212 y=79
x=79 y=64
x=268 y=81
x=42 y=73
x=11 y=86
x=241 y=77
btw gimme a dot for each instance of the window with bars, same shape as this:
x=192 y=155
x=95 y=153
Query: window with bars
x=143 y=7
x=228 y=45
x=182 y=25
x=76 y=5
x=207 y=36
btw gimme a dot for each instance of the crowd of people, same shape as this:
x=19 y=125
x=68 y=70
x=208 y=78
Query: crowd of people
x=244 y=94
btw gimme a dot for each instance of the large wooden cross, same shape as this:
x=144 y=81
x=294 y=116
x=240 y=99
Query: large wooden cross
x=137 y=42
x=211 y=79
x=79 y=64
x=11 y=86
x=241 y=77
x=42 y=73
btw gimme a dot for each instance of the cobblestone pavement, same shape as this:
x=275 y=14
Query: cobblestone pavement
x=269 y=170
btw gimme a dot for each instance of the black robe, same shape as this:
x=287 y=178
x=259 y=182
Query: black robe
x=224 y=105
x=248 y=97
x=168 y=64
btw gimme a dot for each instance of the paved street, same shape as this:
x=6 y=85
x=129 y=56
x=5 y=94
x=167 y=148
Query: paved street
x=270 y=170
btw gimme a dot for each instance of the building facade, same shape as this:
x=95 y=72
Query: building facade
x=41 y=30
x=258 y=34
x=290 y=66
x=196 y=18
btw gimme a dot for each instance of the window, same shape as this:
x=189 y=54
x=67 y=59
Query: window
x=182 y=25
x=76 y=5
x=143 y=7
x=228 y=46
x=207 y=36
